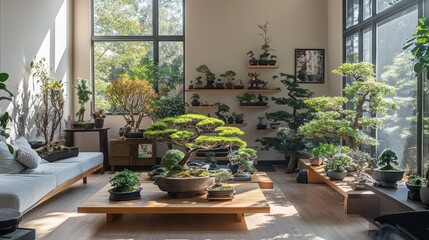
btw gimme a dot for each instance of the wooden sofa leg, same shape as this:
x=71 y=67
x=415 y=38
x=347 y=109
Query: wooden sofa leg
x=85 y=180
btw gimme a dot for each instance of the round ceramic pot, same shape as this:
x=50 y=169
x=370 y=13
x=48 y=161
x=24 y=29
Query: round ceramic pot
x=387 y=178
x=424 y=195
x=183 y=187
x=220 y=193
x=316 y=161
x=244 y=176
x=334 y=175
x=413 y=188
x=124 y=196
x=99 y=122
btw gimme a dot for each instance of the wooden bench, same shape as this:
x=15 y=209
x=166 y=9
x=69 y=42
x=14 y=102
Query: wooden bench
x=355 y=202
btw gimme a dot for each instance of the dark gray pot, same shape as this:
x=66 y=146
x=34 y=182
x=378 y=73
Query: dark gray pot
x=222 y=193
x=183 y=187
x=124 y=196
x=424 y=195
x=334 y=175
x=387 y=178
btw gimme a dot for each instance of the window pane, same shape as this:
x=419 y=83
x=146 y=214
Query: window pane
x=385 y=4
x=170 y=17
x=352 y=48
x=367 y=45
x=352 y=14
x=114 y=60
x=367 y=9
x=171 y=58
x=122 y=18
x=395 y=67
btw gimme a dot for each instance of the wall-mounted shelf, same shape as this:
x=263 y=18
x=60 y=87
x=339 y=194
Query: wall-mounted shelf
x=236 y=125
x=254 y=107
x=266 y=130
x=202 y=90
x=262 y=67
x=203 y=107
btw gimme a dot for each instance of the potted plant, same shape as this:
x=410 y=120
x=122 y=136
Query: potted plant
x=239 y=85
x=210 y=77
x=221 y=188
x=83 y=95
x=387 y=175
x=195 y=97
x=198 y=82
x=424 y=191
x=263 y=58
x=238 y=117
x=336 y=167
x=414 y=183
x=319 y=153
x=126 y=186
x=252 y=59
x=230 y=77
x=191 y=85
x=219 y=84
x=134 y=100
x=243 y=158
x=272 y=60
x=363 y=162
x=221 y=110
x=99 y=115
x=247 y=99
x=261 y=100
x=261 y=124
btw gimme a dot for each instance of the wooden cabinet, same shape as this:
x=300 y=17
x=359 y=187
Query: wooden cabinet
x=131 y=152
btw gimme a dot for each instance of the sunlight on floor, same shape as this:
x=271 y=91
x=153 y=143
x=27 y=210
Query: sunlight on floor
x=51 y=221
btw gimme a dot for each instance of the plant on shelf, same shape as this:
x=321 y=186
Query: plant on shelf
x=230 y=78
x=210 y=77
x=252 y=60
x=132 y=98
x=191 y=85
x=99 y=115
x=247 y=99
x=239 y=85
x=414 y=183
x=266 y=48
x=198 y=82
x=221 y=188
x=219 y=84
x=126 y=186
x=261 y=124
x=83 y=95
x=262 y=100
x=4 y=115
x=168 y=106
x=363 y=162
x=365 y=94
x=238 y=117
x=221 y=110
x=195 y=97
x=424 y=191
x=243 y=158
x=336 y=167
x=387 y=174
x=272 y=60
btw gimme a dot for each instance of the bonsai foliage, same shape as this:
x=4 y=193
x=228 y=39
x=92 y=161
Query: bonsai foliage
x=83 y=95
x=195 y=132
x=132 y=98
x=267 y=40
x=4 y=116
x=221 y=176
x=420 y=47
x=238 y=116
x=339 y=162
x=416 y=180
x=241 y=157
x=168 y=107
x=229 y=76
x=171 y=159
x=210 y=77
x=368 y=99
x=125 y=181
x=51 y=106
x=386 y=159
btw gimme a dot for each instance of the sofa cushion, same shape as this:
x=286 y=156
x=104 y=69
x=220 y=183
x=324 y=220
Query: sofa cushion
x=87 y=160
x=8 y=163
x=62 y=171
x=22 y=191
x=25 y=154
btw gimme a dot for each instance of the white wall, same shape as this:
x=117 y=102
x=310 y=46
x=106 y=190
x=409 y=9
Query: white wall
x=335 y=45
x=28 y=29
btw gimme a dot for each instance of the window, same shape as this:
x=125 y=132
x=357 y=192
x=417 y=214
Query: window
x=378 y=36
x=130 y=36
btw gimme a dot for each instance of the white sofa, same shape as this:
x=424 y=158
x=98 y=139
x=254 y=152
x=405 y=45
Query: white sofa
x=25 y=190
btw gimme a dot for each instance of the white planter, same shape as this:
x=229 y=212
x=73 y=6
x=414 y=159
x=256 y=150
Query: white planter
x=424 y=195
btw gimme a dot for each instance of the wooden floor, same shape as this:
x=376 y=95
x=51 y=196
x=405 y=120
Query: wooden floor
x=298 y=211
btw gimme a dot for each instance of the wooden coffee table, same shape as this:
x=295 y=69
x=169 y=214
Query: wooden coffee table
x=248 y=199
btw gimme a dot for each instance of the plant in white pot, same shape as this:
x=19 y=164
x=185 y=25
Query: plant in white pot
x=337 y=165
x=387 y=174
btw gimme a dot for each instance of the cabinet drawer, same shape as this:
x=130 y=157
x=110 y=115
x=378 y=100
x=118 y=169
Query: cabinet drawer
x=115 y=161
x=145 y=161
x=119 y=150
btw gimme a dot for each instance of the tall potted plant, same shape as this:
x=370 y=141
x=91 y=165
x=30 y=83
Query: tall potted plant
x=83 y=96
x=387 y=174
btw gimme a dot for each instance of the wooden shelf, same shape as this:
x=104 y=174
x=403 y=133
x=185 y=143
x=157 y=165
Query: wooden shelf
x=236 y=125
x=215 y=158
x=202 y=107
x=203 y=90
x=254 y=107
x=262 y=67
x=266 y=130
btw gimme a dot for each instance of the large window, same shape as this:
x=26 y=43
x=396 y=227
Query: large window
x=134 y=38
x=375 y=31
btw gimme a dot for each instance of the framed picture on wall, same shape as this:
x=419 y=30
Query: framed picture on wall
x=310 y=65
x=145 y=151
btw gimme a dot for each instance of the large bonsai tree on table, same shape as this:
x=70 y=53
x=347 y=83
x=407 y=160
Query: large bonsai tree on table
x=368 y=99
x=195 y=132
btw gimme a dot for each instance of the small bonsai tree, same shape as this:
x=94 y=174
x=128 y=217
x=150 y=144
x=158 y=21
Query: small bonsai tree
x=221 y=176
x=221 y=110
x=4 y=116
x=51 y=106
x=195 y=132
x=251 y=55
x=242 y=157
x=210 y=77
x=229 y=76
x=339 y=162
x=267 y=40
x=125 y=181
x=238 y=117
x=366 y=95
x=83 y=95
x=386 y=159
x=416 y=180
x=132 y=98
x=246 y=98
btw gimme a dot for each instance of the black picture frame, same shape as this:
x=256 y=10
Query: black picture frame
x=310 y=66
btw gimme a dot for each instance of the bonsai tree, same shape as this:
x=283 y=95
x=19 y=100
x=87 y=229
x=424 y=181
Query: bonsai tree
x=83 y=95
x=252 y=59
x=242 y=157
x=168 y=107
x=339 y=162
x=246 y=99
x=132 y=98
x=221 y=176
x=386 y=159
x=229 y=76
x=4 y=116
x=125 y=181
x=221 y=110
x=210 y=77
x=51 y=103
x=366 y=95
x=238 y=117
x=267 y=40
x=416 y=180
x=261 y=100
x=195 y=132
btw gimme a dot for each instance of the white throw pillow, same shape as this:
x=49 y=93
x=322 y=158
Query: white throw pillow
x=8 y=163
x=25 y=154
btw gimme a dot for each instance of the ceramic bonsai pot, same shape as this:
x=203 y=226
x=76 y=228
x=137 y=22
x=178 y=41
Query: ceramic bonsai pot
x=387 y=178
x=99 y=122
x=183 y=187
x=124 y=196
x=65 y=152
x=334 y=175
x=245 y=176
x=220 y=193
x=413 y=188
x=316 y=161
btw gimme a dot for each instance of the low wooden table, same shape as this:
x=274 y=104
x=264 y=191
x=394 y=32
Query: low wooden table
x=260 y=178
x=248 y=199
